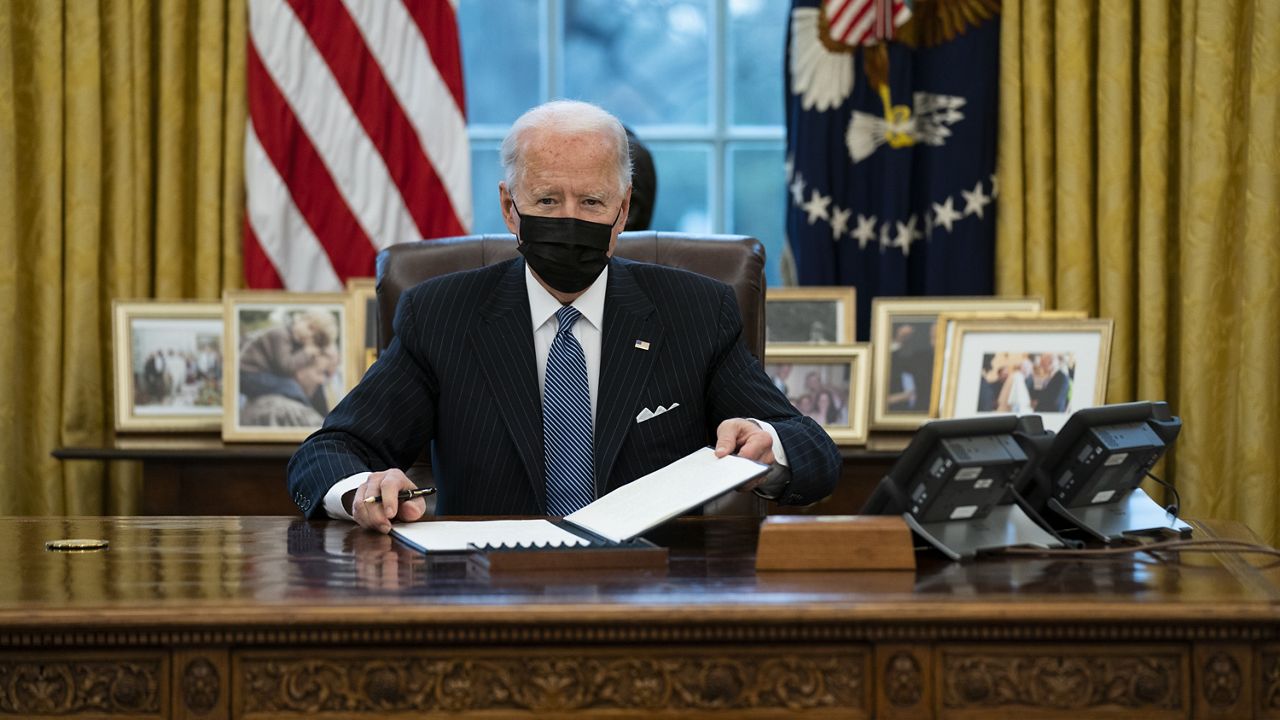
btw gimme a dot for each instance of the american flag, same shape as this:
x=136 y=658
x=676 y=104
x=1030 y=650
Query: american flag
x=859 y=22
x=356 y=137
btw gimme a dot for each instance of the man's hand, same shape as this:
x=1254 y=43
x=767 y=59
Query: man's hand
x=745 y=439
x=378 y=516
x=377 y=561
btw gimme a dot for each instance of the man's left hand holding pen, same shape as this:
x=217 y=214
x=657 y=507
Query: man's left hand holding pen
x=388 y=484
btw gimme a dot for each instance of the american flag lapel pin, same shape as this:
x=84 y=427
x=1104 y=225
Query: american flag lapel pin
x=642 y=344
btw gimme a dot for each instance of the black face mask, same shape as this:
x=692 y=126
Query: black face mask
x=567 y=253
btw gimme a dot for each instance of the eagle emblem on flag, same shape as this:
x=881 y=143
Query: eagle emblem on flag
x=823 y=37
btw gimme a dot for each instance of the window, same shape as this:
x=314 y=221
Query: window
x=699 y=81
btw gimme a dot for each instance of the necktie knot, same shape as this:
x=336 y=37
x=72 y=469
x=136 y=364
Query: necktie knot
x=567 y=316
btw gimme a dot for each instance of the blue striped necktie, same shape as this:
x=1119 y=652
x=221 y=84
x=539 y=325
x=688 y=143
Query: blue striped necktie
x=566 y=421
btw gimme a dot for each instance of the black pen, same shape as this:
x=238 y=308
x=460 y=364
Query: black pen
x=405 y=494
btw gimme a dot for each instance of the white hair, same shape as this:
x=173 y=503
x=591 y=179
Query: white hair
x=566 y=116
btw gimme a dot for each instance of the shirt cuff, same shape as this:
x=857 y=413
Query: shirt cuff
x=779 y=454
x=333 y=498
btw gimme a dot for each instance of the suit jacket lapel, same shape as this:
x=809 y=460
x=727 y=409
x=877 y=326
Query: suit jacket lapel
x=503 y=342
x=624 y=368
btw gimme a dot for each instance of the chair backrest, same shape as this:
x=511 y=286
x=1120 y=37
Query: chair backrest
x=736 y=260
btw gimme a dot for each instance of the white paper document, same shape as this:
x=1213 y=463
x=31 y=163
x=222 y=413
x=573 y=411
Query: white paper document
x=459 y=535
x=619 y=516
x=663 y=494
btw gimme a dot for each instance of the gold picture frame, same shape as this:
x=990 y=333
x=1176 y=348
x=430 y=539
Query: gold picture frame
x=363 y=296
x=836 y=371
x=944 y=339
x=167 y=365
x=919 y=315
x=1047 y=366
x=810 y=315
x=287 y=363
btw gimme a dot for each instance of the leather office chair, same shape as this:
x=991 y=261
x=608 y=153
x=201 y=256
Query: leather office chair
x=736 y=260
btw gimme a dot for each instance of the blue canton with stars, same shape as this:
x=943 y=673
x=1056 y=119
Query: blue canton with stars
x=892 y=198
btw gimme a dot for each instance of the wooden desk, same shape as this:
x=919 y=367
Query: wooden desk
x=277 y=618
x=201 y=475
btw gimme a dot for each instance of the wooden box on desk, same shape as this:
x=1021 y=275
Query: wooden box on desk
x=835 y=542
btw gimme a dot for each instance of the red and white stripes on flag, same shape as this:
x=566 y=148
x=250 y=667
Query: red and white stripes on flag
x=864 y=22
x=356 y=139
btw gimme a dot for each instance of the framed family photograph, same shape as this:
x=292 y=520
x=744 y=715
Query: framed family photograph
x=903 y=343
x=168 y=366
x=363 y=293
x=827 y=384
x=287 y=361
x=809 y=315
x=1047 y=366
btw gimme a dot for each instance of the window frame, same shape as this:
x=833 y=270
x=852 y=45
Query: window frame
x=720 y=135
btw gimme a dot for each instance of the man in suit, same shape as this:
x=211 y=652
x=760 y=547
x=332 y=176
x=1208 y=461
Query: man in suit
x=658 y=365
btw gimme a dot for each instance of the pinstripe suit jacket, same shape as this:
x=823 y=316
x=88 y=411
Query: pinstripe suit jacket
x=460 y=373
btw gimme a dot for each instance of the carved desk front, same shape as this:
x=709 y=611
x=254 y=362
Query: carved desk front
x=272 y=617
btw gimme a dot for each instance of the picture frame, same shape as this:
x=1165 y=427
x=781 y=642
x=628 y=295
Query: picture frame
x=841 y=373
x=814 y=315
x=1047 y=366
x=903 y=352
x=167 y=365
x=363 y=296
x=945 y=339
x=287 y=362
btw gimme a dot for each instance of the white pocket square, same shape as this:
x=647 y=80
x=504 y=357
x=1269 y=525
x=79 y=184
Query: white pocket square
x=647 y=414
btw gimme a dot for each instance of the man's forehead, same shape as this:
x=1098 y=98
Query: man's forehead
x=552 y=147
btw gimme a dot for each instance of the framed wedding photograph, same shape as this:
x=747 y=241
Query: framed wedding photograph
x=1047 y=366
x=903 y=342
x=167 y=365
x=827 y=384
x=944 y=340
x=287 y=362
x=363 y=293
x=809 y=315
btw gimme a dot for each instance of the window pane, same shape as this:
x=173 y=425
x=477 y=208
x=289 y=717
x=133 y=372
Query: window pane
x=759 y=199
x=485 y=174
x=684 y=172
x=501 y=62
x=757 y=30
x=646 y=62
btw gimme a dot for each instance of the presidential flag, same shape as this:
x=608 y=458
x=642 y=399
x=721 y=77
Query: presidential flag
x=891 y=146
x=356 y=137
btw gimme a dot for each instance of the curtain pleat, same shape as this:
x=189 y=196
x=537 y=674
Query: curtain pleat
x=33 y=217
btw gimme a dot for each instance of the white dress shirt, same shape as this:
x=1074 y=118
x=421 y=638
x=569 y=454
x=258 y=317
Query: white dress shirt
x=542 y=314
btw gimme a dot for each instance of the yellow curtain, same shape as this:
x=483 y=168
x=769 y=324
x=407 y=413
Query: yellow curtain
x=1140 y=180
x=121 y=176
